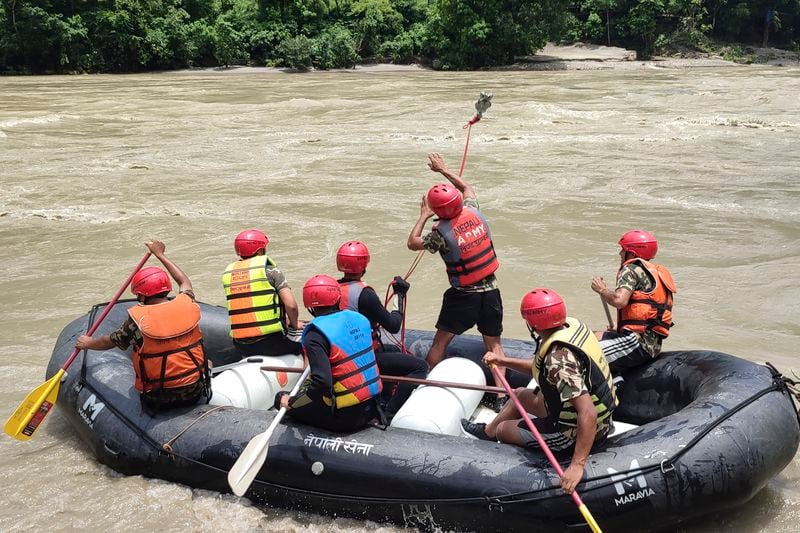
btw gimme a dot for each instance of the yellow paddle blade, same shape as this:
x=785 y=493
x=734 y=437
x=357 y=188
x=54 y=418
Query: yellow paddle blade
x=589 y=519
x=31 y=412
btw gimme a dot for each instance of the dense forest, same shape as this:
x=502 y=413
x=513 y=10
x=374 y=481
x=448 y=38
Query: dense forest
x=133 y=35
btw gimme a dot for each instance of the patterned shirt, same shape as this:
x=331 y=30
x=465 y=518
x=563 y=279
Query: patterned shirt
x=634 y=277
x=565 y=373
x=129 y=332
x=276 y=278
x=434 y=242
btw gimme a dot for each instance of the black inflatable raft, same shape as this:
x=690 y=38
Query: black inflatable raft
x=714 y=429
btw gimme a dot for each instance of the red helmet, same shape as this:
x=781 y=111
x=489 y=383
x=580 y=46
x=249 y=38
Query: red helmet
x=149 y=281
x=640 y=243
x=445 y=200
x=352 y=257
x=543 y=309
x=321 y=291
x=249 y=242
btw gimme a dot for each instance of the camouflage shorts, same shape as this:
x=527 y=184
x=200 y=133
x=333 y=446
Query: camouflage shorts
x=153 y=401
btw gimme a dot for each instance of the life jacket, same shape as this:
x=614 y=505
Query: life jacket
x=471 y=257
x=353 y=366
x=253 y=305
x=171 y=354
x=649 y=310
x=582 y=342
x=351 y=292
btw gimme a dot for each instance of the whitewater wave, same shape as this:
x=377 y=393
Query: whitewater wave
x=35 y=121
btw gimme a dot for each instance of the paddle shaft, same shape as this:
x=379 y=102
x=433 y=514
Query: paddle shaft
x=404 y=379
x=608 y=314
x=107 y=309
x=543 y=445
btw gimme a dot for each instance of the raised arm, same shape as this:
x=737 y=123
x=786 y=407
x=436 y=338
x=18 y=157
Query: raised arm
x=437 y=164
x=415 y=237
x=157 y=248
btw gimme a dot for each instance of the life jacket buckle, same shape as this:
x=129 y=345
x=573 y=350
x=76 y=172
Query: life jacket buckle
x=666 y=469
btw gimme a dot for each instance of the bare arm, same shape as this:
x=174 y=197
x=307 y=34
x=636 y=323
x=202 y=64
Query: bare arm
x=437 y=164
x=86 y=342
x=618 y=298
x=290 y=306
x=157 y=248
x=587 y=428
x=415 y=237
x=520 y=365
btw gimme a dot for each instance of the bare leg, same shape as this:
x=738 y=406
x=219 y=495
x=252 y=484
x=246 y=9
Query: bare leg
x=441 y=341
x=499 y=428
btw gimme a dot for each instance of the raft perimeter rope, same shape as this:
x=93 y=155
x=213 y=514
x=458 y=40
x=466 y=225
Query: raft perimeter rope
x=167 y=446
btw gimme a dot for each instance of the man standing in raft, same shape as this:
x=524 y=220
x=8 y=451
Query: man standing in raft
x=577 y=397
x=462 y=238
x=341 y=391
x=352 y=259
x=168 y=356
x=259 y=299
x=643 y=297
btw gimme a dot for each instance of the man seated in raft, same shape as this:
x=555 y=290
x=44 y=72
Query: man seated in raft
x=576 y=399
x=168 y=356
x=643 y=296
x=261 y=307
x=352 y=260
x=341 y=391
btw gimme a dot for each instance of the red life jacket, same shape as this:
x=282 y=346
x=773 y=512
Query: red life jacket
x=649 y=310
x=471 y=257
x=171 y=354
x=351 y=292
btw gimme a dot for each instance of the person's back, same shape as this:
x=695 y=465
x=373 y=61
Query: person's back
x=463 y=239
x=168 y=357
x=352 y=259
x=259 y=300
x=340 y=393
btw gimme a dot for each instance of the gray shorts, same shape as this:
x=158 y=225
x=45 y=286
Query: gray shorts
x=623 y=350
x=555 y=440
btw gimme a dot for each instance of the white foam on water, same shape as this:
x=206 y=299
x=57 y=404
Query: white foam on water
x=32 y=121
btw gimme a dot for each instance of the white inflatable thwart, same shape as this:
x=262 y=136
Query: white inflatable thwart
x=440 y=410
x=246 y=385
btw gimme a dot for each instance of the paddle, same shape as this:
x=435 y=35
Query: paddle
x=248 y=464
x=550 y=457
x=404 y=379
x=608 y=314
x=38 y=404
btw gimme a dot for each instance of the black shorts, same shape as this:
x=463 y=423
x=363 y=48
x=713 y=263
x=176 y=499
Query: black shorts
x=270 y=345
x=462 y=310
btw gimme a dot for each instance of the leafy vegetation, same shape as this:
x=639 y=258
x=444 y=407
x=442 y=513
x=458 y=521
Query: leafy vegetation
x=132 y=35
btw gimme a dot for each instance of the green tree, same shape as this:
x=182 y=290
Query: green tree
x=228 y=43
x=476 y=33
x=335 y=48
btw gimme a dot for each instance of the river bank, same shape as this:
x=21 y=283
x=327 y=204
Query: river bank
x=552 y=57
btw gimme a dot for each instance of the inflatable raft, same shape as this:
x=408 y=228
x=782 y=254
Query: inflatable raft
x=713 y=430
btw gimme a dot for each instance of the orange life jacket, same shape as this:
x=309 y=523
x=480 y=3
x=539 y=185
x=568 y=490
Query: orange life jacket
x=649 y=310
x=471 y=257
x=171 y=354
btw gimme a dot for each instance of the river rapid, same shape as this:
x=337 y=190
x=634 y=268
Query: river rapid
x=563 y=164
